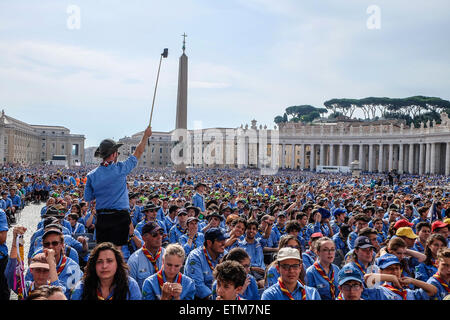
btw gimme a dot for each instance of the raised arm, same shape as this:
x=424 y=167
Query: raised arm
x=141 y=146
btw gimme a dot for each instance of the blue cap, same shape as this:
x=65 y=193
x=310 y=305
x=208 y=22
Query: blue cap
x=363 y=242
x=324 y=212
x=215 y=234
x=347 y=273
x=387 y=260
x=338 y=211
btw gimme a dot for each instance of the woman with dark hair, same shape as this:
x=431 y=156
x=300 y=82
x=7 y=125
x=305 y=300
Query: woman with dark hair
x=273 y=273
x=429 y=267
x=106 y=277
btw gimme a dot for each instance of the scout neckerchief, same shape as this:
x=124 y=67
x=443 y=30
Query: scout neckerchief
x=183 y=231
x=150 y=257
x=360 y=267
x=194 y=240
x=420 y=246
x=107 y=163
x=444 y=284
x=321 y=271
x=161 y=281
x=62 y=265
x=286 y=291
x=100 y=297
x=281 y=231
x=340 y=297
x=434 y=263
x=400 y=292
x=207 y=258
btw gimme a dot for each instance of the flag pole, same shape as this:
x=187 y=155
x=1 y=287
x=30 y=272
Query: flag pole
x=164 y=54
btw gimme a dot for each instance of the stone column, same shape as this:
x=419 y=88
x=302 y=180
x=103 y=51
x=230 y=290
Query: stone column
x=400 y=158
x=391 y=155
x=350 y=154
x=293 y=156
x=302 y=156
x=370 y=158
x=331 y=162
x=283 y=156
x=312 y=158
x=360 y=157
x=411 y=158
x=447 y=159
x=341 y=154
x=322 y=154
x=380 y=159
x=433 y=159
x=427 y=158
x=421 y=155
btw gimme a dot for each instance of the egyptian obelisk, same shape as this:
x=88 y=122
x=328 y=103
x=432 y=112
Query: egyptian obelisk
x=181 y=118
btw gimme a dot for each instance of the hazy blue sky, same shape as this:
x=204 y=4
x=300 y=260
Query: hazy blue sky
x=248 y=59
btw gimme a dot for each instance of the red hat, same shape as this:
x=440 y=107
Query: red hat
x=438 y=224
x=317 y=235
x=402 y=223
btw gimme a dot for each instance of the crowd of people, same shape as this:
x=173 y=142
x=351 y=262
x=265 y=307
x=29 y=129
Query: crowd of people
x=225 y=234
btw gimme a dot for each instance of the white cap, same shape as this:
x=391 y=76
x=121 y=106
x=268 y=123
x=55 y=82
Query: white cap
x=288 y=253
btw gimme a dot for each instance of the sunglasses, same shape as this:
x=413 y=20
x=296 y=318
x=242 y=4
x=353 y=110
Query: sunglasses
x=288 y=267
x=348 y=287
x=157 y=233
x=52 y=243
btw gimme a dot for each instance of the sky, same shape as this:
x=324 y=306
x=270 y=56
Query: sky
x=91 y=66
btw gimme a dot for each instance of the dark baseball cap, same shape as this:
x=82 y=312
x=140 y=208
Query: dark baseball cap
x=215 y=234
x=363 y=243
x=150 y=227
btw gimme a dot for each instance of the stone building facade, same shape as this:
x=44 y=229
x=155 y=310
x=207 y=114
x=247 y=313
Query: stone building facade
x=27 y=144
x=379 y=146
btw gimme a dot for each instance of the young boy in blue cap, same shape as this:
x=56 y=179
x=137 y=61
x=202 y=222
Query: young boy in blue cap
x=390 y=265
x=201 y=262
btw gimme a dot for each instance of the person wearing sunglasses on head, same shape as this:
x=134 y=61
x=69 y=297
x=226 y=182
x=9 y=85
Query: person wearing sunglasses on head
x=148 y=259
x=69 y=272
x=288 y=287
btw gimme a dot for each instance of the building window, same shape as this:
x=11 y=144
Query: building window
x=75 y=149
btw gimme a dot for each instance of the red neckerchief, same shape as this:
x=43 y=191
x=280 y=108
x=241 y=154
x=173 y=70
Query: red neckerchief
x=62 y=265
x=400 y=292
x=107 y=163
x=438 y=277
x=150 y=258
x=340 y=297
x=161 y=279
x=286 y=291
x=321 y=271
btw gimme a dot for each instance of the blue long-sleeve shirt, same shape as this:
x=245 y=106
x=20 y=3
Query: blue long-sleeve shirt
x=314 y=279
x=198 y=269
x=108 y=185
x=198 y=201
x=255 y=251
x=140 y=266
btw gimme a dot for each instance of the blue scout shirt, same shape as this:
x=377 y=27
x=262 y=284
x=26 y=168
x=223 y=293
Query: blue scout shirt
x=255 y=251
x=279 y=232
x=69 y=276
x=315 y=280
x=175 y=233
x=199 y=241
x=309 y=258
x=198 y=269
x=3 y=227
x=417 y=294
x=442 y=292
x=169 y=222
x=152 y=291
x=140 y=266
x=274 y=293
x=102 y=182
x=133 y=291
x=198 y=201
x=126 y=248
x=137 y=215
x=16 y=200
x=425 y=271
